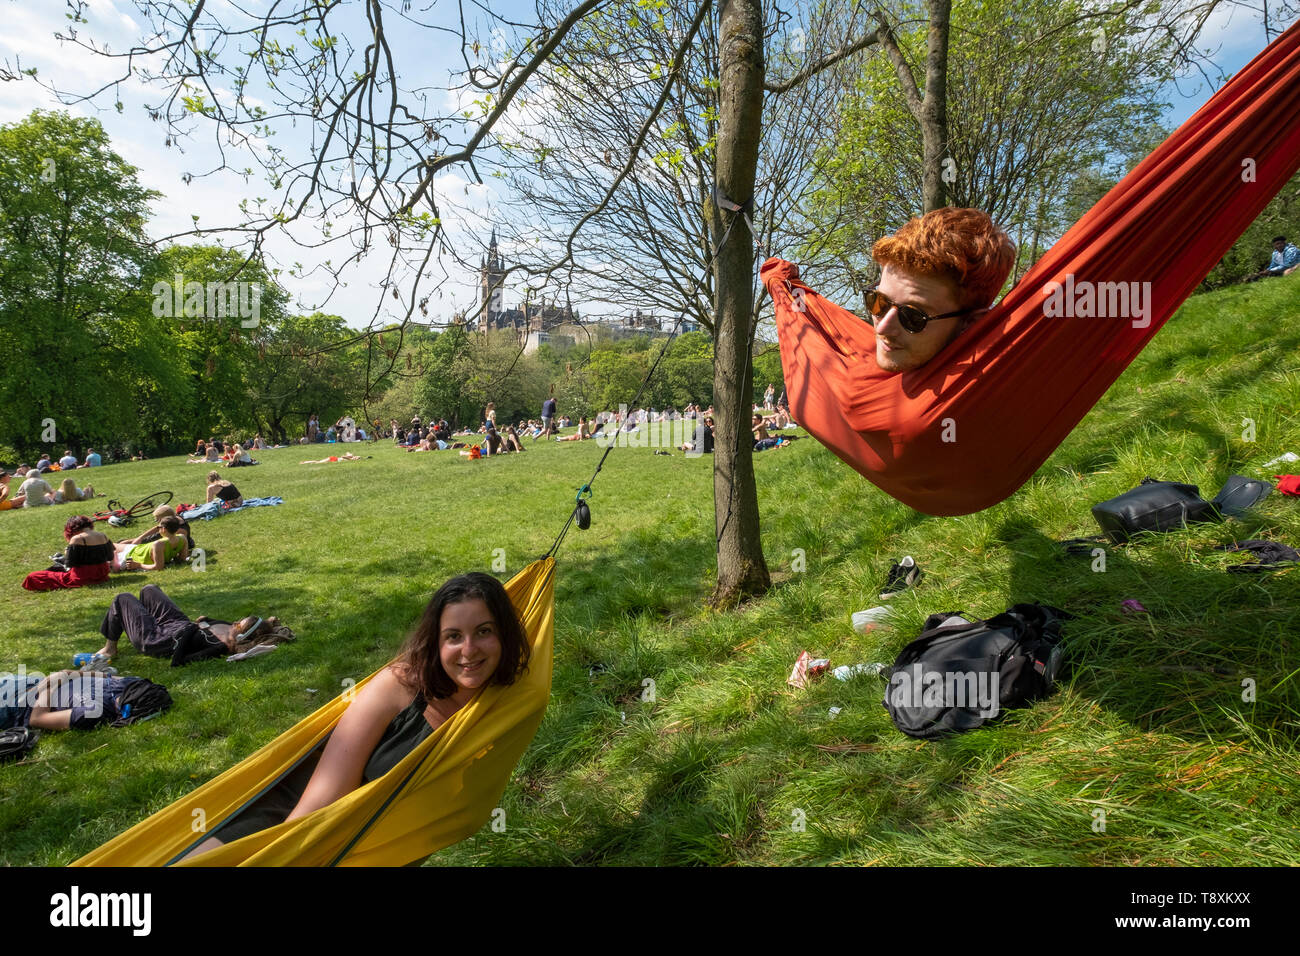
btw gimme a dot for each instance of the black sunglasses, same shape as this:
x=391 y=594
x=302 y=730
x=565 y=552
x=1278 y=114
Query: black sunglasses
x=909 y=317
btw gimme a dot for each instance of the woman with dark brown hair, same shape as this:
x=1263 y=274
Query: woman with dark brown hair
x=468 y=637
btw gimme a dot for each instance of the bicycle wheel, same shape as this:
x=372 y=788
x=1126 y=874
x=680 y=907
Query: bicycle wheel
x=146 y=505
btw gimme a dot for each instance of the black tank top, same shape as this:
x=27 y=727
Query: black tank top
x=82 y=555
x=400 y=737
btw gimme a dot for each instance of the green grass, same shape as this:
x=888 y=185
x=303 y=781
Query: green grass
x=726 y=765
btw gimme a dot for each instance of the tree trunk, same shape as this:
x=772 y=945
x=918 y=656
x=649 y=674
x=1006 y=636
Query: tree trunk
x=934 y=108
x=741 y=568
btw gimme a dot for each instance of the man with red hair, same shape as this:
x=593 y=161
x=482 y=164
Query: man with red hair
x=939 y=274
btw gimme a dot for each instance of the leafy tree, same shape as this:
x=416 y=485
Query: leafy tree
x=441 y=392
x=219 y=346
x=1078 y=93
x=615 y=377
x=1251 y=252
x=296 y=374
x=72 y=246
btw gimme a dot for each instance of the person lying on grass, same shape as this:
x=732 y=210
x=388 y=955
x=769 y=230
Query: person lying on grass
x=64 y=700
x=154 y=533
x=156 y=626
x=346 y=456
x=468 y=637
x=152 y=556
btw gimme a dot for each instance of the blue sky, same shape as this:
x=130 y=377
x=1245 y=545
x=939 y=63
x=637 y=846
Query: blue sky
x=1234 y=35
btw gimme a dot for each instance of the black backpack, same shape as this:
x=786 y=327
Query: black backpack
x=16 y=743
x=959 y=675
x=145 y=698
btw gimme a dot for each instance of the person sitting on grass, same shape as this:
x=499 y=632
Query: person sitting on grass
x=156 y=626
x=93 y=460
x=69 y=461
x=762 y=440
x=582 y=434
x=703 y=441
x=35 y=490
x=491 y=441
x=65 y=700
x=468 y=638
x=68 y=491
x=1284 y=261
x=152 y=556
x=223 y=491
x=239 y=458
x=511 y=440
x=7 y=498
x=86 y=560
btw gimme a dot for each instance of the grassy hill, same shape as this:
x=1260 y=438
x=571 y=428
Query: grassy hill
x=726 y=764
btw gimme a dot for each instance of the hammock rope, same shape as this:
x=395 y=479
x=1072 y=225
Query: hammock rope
x=724 y=203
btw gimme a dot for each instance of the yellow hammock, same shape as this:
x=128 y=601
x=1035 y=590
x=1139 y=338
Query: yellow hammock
x=441 y=792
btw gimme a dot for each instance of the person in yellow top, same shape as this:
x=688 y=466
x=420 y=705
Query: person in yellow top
x=151 y=556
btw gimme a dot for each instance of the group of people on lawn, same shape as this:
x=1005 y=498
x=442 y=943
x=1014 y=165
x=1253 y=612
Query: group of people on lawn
x=90 y=555
x=35 y=490
x=228 y=453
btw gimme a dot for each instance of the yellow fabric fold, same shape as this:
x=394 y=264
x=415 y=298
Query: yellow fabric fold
x=440 y=793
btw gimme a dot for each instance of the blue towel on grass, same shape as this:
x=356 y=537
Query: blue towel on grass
x=213 y=509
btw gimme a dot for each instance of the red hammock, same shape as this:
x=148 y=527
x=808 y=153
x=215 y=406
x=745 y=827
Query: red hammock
x=971 y=426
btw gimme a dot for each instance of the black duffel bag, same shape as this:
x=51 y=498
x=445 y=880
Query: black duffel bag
x=1167 y=505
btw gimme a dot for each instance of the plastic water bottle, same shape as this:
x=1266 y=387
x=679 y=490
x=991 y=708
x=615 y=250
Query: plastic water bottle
x=82 y=659
x=848 y=672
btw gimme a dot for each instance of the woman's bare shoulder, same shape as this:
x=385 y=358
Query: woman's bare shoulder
x=392 y=684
